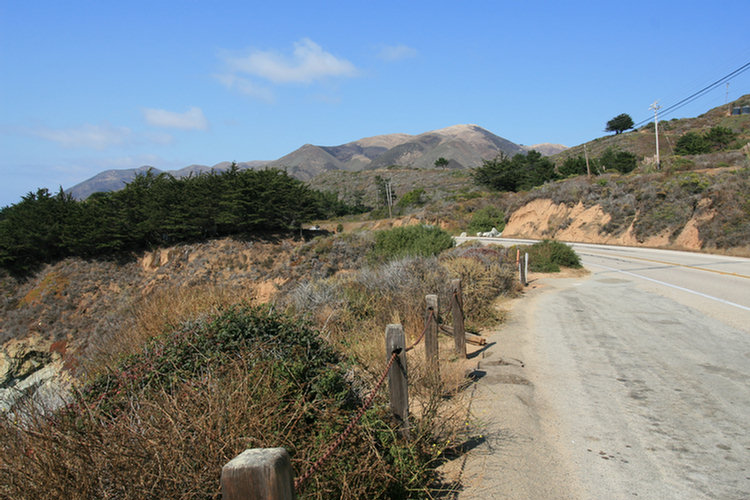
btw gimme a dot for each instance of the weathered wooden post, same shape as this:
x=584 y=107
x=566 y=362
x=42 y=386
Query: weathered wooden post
x=522 y=269
x=457 y=310
x=258 y=474
x=431 y=335
x=398 y=376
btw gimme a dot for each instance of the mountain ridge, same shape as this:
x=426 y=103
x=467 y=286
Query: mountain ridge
x=464 y=146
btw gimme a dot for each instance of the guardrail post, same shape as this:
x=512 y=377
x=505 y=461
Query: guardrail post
x=258 y=474
x=457 y=310
x=398 y=376
x=431 y=348
x=526 y=269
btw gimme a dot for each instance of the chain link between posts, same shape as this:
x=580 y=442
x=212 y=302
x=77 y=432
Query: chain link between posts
x=300 y=481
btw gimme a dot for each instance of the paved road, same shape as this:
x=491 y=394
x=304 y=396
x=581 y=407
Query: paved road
x=637 y=383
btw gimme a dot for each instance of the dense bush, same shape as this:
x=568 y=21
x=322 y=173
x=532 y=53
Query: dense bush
x=520 y=173
x=547 y=256
x=691 y=143
x=168 y=418
x=486 y=273
x=485 y=219
x=415 y=197
x=572 y=166
x=622 y=161
x=715 y=139
x=410 y=241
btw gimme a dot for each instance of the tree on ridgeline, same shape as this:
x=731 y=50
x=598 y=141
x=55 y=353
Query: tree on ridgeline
x=619 y=123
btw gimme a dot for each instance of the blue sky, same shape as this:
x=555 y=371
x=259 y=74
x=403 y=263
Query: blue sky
x=89 y=86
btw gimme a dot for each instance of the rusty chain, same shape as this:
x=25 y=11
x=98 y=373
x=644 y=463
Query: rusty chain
x=365 y=406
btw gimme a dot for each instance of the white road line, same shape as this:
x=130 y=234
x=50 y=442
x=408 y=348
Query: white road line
x=711 y=297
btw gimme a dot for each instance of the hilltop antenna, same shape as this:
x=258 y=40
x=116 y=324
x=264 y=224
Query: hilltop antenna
x=655 y=106
x=726 y=98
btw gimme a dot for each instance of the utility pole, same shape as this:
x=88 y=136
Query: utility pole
x=586 y=154
x=655 y=106
x=389 y=196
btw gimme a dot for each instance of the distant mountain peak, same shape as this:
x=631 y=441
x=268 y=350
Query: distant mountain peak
x=464 y=146
x=546 y=148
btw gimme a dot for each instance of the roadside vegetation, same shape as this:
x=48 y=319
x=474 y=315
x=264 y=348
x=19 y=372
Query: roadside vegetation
x=215 y=341
x=196 y=373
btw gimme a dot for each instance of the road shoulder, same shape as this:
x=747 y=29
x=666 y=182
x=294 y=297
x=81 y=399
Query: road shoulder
x=518 y=455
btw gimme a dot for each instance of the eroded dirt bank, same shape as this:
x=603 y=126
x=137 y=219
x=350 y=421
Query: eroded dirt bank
x=543 y=218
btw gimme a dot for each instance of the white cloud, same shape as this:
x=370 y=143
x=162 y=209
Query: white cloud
x=87 y=136
x=192 y=119
x=308 y=63
x=99 y=137
x=245 y=86
x=397 y=53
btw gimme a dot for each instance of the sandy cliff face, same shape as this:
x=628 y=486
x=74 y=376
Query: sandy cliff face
x=544 y=218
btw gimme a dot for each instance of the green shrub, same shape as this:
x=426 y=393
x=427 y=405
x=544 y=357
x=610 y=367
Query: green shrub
x=716 y=139
x=572 y=166
x=547 y=256
x=413 y=241
x=719 y=138
x=415 y=197
x=485 y=219
x=622 y=161
x=691 y=143
x=168 y=418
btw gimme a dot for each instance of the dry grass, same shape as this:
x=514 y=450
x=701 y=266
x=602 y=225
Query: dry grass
x=163 y=310
x=170 y=417
x=174 y=440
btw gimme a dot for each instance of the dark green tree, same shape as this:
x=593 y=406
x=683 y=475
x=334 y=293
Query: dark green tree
x=619 y=123
x=622 y=161
x=498 y=173
x=691 y=143
x=719 y=138
x=441 y=162
x=572 y=166
x=519 y=173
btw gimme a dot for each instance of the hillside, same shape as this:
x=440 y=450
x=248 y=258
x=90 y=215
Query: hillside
x=465 y=146
x=641 y=142
x=75 y=311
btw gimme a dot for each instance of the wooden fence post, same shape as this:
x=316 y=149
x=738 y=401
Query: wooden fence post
x=457 y=310
x=398 y=376
x=431 y=336
x=258 y=474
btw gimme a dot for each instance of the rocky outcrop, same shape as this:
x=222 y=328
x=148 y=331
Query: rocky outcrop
x=32 y=368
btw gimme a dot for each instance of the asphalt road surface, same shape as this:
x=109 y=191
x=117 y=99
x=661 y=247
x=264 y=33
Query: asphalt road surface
x=630 y=382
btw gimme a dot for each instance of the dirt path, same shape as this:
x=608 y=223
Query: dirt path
x=516 y=455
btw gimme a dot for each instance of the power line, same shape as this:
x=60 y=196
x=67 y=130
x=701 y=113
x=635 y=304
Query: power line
x=700 y=93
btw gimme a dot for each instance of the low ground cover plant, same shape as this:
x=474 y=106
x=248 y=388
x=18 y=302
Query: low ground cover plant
x=167 y=418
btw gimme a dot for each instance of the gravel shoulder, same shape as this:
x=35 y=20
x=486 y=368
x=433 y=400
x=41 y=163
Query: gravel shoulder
x=517 y=453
